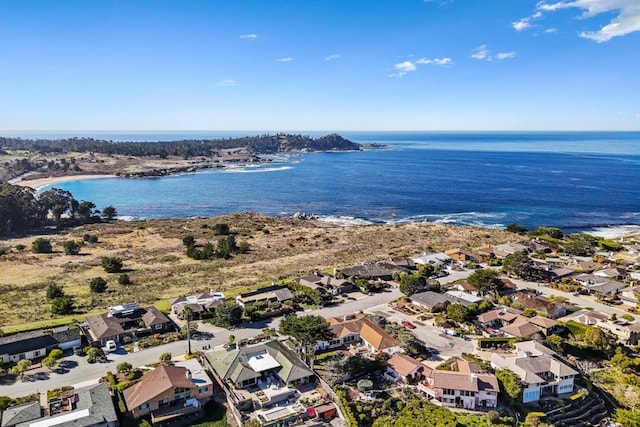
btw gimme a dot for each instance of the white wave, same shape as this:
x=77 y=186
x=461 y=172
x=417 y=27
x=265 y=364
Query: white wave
x=125 y=218
x=614 y=231
x=256 y=169
x=344 y=220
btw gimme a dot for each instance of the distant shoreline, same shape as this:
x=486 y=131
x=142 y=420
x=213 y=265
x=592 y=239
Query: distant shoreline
x=40 y=183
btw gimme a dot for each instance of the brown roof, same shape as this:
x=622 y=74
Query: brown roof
x=376 y=336
x=521 y=328
x=544 y=322
x=453 y=380
x=155 y=383
x=404 y=365
x=153 y=316
x=467 y=367
x=101 y=326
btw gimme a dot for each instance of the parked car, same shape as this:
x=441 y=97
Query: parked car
x=110 y=346
x=408 y=325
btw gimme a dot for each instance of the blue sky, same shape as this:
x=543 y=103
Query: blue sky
x=320 y=65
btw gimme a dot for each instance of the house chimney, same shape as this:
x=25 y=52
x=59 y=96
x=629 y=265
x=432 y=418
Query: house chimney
x=188 y=374
x=474 y=378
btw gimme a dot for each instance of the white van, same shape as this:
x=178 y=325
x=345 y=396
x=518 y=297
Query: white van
x=110 y=346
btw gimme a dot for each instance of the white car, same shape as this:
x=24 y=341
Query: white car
x=110 y=346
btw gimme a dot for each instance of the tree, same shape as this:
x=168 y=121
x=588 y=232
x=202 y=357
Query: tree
x=63 y=305
x=486 y=281
x=553 y=232
x=226 y=247
x=112 y=264
x=54 y=291
x=5 y=402
x=306 y=330
x=519 y=264
x=98 y=285
x=86 y=210
x=57 y=202
x=52 y=358
x=41 y=246
x=221 y=229
x=93 y=354
x=457 y=312
x=515 y=228
x=165 y=358
x=187 y=312
x=20 y=367
x=188 y=241
x=579 y=247
x=71 y=247
x=627 y=417
x=555 y=342
x=511 y=385
x=109 y=213
x=124 y=279
x=229 y=313
x=595 y=337
x=534 y=418
x=412 y=284
x=124 y=367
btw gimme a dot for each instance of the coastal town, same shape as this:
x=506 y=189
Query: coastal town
x=540 y=330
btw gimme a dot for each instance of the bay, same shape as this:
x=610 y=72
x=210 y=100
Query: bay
x=573 y=180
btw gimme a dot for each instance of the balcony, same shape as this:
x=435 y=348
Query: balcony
x=169 y=413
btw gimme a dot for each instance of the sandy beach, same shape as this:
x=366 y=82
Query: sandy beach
x=40 y=183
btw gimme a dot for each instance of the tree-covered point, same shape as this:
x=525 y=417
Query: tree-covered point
x=184 y=148
x=23 y=210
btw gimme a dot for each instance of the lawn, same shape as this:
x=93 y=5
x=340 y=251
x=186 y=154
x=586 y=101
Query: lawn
x=624 y=387
x=214 y=415
x=576 y=328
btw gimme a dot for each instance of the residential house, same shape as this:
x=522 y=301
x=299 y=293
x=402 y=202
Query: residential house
x=465 y=388
x=124 y=323
x=630 y=296
x=508 y=287
x=90 y=406
x=378 y=271
x=539 y=303
x=466 y=287
x=429 y=300
x=267 y=294
x=403 y=368
x=326 y=283
x=512 y=248
x=36 y=344
x=439 y=259
x=167 y=393
x=540 y=369
x=615 y=273
x=199 y=303
x=498 y=318
x=626 y=332
x=464 y=298
x=463 y=256
x=511 y=323
x=265 y=381
x=360 y=330
x=598 y=284
x=522 y=328
x=552 y=273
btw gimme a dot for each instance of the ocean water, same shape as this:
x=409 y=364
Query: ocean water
x=573 y=180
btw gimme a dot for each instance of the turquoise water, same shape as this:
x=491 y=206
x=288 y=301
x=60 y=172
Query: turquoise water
x=574 y=180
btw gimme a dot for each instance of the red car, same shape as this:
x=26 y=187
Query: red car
x=408 y=325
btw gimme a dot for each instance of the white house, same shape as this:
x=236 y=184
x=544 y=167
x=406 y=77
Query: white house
x=540 y=370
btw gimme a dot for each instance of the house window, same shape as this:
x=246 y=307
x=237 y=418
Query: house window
x=158 y=326
x=163 y=402
x=203 y=390
x=36 y=353
x=144 y=406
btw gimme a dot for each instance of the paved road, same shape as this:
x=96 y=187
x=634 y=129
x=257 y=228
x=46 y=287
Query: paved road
x=82 y=373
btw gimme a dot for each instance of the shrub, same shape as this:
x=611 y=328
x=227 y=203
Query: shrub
x=71 y=247
x=112 y=264
x=90 y=238
x=63 y=305
x=54 y=291
x=124 y=279
x=98 y=285
x=122 y=385
x=124 y=367
x=221 y=229
x=41 y=246
x=20 y=247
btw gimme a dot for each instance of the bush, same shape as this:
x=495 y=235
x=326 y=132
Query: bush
x=41 y=246
x=54 y=291
x=124 y=279
x=71 y=247
x=98 y=285
x=221 y=229
x=124 y=367
x=112 y=264
x=90 y=238
x=122 y=385
x=63 y=305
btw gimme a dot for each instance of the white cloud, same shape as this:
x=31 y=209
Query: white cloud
x=410 y=66
x=332 y=57
x=627 y=21
x=505 y=55
x=248 y=37
x=522 y=24
x=481 y=52
x=551 y=31
x=287 y=59
x=227 y=83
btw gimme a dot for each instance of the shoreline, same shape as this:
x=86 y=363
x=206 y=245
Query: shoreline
x=39 y=183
